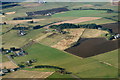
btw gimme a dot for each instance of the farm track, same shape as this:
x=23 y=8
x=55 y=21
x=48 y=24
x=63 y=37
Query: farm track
x=28 y=44
x=11 y=60
x=106 y=63
x=42 y=37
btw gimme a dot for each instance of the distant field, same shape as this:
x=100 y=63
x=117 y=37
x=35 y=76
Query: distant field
x=99 y=21
x=81 y=67
x=84 y=13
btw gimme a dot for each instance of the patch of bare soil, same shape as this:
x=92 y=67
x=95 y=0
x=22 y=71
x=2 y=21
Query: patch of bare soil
x=72 y=37
x=10 y=13
x=2 y=16
x=88 y=5
x=8 y=65
x=81 y=19
x=28 y=74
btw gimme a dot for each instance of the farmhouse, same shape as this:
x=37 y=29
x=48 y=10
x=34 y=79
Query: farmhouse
x=47 y=12
x=22 y=33
x=117 y=36
x=1 y=73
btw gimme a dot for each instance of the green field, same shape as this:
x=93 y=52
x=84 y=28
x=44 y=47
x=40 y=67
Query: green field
x=99 y=21
x=84 y=68
x=11 y=39
x=3 y=58
x=84 y=13
x=59 y=76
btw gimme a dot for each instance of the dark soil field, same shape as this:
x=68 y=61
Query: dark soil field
x=43 y=12
x=113 y=26
x=93 y=46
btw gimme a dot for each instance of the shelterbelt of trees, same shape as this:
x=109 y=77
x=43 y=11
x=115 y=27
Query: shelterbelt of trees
x=108 y=10
x=110 y=35
x=89 y=26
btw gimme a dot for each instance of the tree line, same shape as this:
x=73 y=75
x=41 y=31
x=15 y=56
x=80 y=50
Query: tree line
x=89 y=26
x=108 y=10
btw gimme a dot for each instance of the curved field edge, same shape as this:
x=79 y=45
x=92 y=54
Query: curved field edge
x=84 y=68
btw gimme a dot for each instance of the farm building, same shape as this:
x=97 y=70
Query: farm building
x=1 y=73
x=22 y=33
x=117 y=36
x=47 y=12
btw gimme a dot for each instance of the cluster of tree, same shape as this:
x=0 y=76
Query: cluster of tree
x=27 y=63
x=38 y=27
x=47 y=66
x=89 y=26
x=69 y=25
x=22 y=18
x=9 y=6
x=108 y=10
x=4 y=51
x=31 y=21
x=59 y=69
x=4 y=23
x=3 y=3
x=20 y=28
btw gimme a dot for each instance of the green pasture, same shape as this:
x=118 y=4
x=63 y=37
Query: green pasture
x=5 y=28
x=3 y=58
x=11 y=39
x=53 y=39
x=59 y=76
x=85 y=13
x=99 y=21
x=84 y=68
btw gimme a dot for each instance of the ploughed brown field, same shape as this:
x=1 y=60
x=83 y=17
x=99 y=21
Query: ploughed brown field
x=93 y=46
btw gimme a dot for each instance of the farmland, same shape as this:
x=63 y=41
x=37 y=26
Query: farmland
x=78 y=65
x=83 y=52
x=28 y=74
x=84 y=13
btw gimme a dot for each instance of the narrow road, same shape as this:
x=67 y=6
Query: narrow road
x=12 y=60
